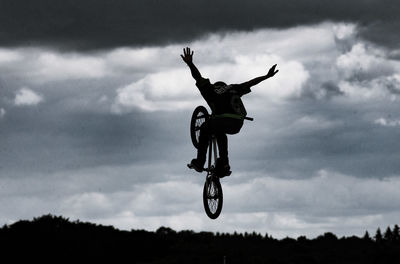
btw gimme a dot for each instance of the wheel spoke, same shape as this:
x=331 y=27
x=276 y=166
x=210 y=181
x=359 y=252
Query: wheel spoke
x=212 y=204
x=212 y=197
x=200 y=115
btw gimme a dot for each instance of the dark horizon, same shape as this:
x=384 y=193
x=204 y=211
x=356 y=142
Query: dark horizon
x=53 y=221
x=55 y=236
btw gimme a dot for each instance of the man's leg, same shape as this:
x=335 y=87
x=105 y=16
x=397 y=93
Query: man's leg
x=203 y=142
x=222 y=141
x=221 y=127
x=205 y=133
x=225 y=126
x=222 y=167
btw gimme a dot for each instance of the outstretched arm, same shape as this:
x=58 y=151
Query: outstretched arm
x=188 y=59
x=257 y=80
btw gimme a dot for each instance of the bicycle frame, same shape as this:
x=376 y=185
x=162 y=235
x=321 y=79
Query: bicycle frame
x=212 y=148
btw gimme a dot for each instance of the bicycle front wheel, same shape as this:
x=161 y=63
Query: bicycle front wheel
x=212 y=197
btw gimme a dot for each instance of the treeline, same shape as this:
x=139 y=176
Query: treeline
x=55 y=238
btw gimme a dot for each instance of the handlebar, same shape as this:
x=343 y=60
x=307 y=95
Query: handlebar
x=249 y=118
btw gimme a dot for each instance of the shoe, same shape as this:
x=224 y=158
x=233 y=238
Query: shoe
x=226 y=171
x=195 y=164
x=222 y=168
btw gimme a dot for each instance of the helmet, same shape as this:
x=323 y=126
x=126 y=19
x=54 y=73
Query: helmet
x=220 y=84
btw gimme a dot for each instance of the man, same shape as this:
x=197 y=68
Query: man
x=227 y=114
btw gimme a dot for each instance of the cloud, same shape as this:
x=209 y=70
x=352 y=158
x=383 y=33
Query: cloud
x=344 y=31
x=336 y=63
x=2 y=113
x=363 y=62
x=7 y=56
x=384 y=122
x=80 y=25
x=327 y=194
x=173 y=89
x=159 y=91
x=94 y=204
x=380 y=88
x=26 y=96
x=53 y=66
x=143 y=59
x=329 y=201
x=40 y=66
x=368 y=73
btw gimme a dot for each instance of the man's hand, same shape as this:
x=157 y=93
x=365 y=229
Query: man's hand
x=271 y=72
x=257 y=80
x=187 y=56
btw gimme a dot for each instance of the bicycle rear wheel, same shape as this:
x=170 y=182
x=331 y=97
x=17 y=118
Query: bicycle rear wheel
x=200 y=115
x=212 y=197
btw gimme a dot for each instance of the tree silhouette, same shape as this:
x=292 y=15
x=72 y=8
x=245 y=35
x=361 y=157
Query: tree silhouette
x=378 y=235
x=396 y=233
x=367 y=236
x=49 y=238
x=388 y=235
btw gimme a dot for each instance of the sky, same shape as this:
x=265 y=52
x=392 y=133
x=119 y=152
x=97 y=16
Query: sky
x=95 y=106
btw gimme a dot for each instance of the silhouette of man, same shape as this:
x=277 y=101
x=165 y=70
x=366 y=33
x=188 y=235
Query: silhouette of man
x=228 y=113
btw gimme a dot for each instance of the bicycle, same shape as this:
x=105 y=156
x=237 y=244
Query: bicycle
x=212 y=191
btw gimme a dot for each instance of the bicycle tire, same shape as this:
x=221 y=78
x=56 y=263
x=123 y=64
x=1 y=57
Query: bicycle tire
x=212 y=197
x=199 y=116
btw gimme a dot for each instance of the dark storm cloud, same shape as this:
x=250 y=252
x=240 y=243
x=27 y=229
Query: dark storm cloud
x=349 y=142
x=47 y=139
x=98 y=24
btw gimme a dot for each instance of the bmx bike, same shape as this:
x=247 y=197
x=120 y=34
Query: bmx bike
x=212 y=191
